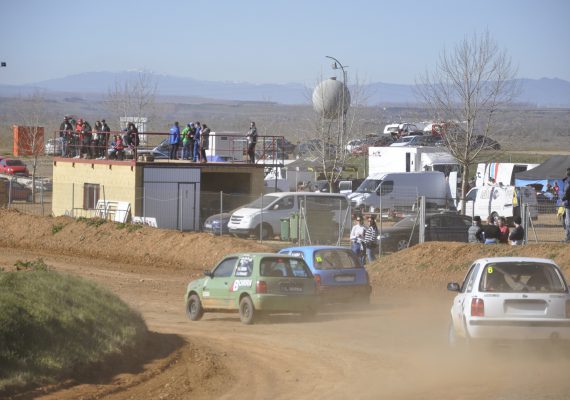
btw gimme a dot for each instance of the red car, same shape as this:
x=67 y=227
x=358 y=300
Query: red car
x=12 y=166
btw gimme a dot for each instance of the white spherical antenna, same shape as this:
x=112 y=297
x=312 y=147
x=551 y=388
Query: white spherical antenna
x=331 y=98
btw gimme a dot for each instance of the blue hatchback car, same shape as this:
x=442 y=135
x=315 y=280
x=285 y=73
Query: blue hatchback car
x=338 y=274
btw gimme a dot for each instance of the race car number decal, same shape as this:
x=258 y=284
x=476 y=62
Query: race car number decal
x=239 y=283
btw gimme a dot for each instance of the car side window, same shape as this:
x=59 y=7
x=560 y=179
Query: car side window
x=244 y=266
x=469 y=281
x=387 y=187
x=286 y=203
x=225 y=268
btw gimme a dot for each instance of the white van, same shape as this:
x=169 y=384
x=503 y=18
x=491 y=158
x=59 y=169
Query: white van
x=264 y=214
x=500 y=201
x=401 y=189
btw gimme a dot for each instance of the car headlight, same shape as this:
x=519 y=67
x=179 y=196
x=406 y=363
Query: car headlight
x=246 y=218
x=385 y=235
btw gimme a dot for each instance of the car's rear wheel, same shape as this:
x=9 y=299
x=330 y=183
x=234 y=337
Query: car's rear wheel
x=246 y=310
x=194 y=308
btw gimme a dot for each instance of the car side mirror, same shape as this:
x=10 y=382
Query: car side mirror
x=453 y=287
x=209 y=274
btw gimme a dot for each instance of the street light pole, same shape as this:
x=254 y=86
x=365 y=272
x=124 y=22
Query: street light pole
x=336 y=65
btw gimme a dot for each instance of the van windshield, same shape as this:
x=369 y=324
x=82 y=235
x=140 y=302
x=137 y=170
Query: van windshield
x=263 y=201
x=369 y=186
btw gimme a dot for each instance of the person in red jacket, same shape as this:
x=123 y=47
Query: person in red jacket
x=503 y=230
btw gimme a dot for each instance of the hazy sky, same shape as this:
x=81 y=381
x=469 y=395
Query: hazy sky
x=273 y=41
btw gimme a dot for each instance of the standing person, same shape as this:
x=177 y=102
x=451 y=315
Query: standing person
x=517 y=235
x=474 y=231
x=197 y=132
x=65 y=134
x=357 y=239
x=186 y=141
x=76 y=141
x=104 y=139
x=204 y=142
x=251 y=142
x=371 y=239
x=503 y=230
x=174 y=139
x=490 y=232
x=566 y=204
x=86 y=132
x=96 y=140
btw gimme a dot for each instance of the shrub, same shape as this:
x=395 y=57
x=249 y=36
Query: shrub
x=53 y=325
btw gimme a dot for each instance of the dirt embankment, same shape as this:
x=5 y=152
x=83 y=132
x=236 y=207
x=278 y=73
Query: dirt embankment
x=429 y=265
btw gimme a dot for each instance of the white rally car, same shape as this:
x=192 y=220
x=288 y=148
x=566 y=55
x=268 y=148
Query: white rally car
x=511 y=298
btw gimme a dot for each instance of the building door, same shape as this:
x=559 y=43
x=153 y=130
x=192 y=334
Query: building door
x=187 y=207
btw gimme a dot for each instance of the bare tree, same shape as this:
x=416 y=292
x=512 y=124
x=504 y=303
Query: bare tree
x=466 y=89
x=329 y=132
x=134 y=97
x=31 y=114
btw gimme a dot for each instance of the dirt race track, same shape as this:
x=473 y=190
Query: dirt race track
x=394 y=349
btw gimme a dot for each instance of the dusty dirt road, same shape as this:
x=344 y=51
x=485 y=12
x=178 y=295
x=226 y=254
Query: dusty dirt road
x=394 y=349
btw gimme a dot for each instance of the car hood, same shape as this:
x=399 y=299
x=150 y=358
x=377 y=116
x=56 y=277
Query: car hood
x=246 y=212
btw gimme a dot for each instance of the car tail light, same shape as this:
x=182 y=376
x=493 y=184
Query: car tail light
x=318 y=279
x=261 y=287
x=567 y=308
x=477 y=308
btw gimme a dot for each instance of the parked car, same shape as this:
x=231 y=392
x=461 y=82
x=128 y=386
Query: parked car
x=485 y=142
x=218 y=223
x=376 y=141
x=417 y=140
x=53 y=147
x=444 y=226
x=252 y=284
x=352 y=144
x=510 y=298
x=314 y=147
x=20 y=192
x=337 y=271
x=12 y=166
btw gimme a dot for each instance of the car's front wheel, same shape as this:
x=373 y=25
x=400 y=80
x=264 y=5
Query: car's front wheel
x=402 y=244
x=246 y=310
x=194 y=308
x=265 y=231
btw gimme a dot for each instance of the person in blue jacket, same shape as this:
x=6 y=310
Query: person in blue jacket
x=197 y=152
x=174 y=140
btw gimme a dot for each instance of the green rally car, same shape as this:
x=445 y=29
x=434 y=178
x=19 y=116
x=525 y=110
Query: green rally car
x=253 y=284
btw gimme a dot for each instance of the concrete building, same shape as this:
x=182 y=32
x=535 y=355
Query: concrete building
x=175 y=193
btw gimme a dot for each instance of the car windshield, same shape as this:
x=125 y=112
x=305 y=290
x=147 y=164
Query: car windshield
x=284 y=267
x=405 y=139
x=368 y=186
x=513 y=277
x=335 y=259
x=262 y=201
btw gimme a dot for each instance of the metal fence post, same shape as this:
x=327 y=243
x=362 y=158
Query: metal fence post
x=221 y=211
x=73 y=200
x=261 y=219
x=422 y=220
x=525 y=218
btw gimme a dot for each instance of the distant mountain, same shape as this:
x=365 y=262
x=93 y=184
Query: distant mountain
x=543 y=92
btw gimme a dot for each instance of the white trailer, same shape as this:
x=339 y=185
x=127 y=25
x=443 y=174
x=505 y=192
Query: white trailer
x=497 y=173
x=227 y=146
x=410 y=159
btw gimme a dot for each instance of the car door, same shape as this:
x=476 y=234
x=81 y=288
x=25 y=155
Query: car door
x=216 y=291
x=463 y=300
